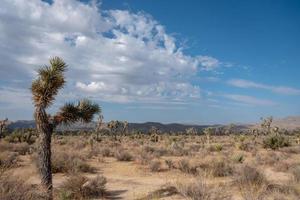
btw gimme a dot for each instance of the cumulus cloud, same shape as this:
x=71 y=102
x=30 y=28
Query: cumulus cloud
x=113 y=55
x=276 y=89
x=249 y=100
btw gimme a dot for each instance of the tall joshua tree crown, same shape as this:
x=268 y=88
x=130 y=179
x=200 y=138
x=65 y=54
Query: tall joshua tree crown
x=44 y=89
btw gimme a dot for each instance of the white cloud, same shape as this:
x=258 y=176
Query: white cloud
x=208 y=63
x=276 y=89
x=250 y=100
x=113 y=55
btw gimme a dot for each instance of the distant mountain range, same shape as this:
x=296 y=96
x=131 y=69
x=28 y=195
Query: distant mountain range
x=289 y=123
x=144 y=127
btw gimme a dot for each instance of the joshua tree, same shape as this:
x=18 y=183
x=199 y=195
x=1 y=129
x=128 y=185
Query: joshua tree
x=125 y=128
x=266 y=125
x=44 y=89
x=191 y=131
x=118 y=127
x=99 y=126
x=3 y=124
x=208 y=132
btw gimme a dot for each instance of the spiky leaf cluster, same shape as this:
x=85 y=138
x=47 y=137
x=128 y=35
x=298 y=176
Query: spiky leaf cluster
x=83 y=110
x=50 y=80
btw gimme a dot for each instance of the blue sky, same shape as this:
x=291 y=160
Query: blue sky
x=169 y=61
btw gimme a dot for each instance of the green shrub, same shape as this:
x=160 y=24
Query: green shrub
x=276 y=141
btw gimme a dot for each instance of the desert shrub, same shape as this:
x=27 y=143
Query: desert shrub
x=252 y=183
x=220 y=168
x=185 y=166
x=12 y=188
x=269 y=158
x=282 y=166
x=148 y=149
x=66 y=162
x=197 y=190
x=20 y=148
x=276 y=141
x=238 y=158
x=144 y=158
x=123 y=155
x=63 y=162
x=79 y=143
x=21 y=135
x=80 y=187
x=291 y=150
x=195 y=147
x=296 y=173
x=160 y=152
x=177 y=149
x=216 y=147
x=155 y=165
x=169 y=163
x=106 y=152
x=244 y=146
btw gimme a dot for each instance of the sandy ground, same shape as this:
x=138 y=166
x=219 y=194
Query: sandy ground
x=129 y=180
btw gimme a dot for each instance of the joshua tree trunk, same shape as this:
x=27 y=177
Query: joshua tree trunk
x=44 y=152
x=44 y=89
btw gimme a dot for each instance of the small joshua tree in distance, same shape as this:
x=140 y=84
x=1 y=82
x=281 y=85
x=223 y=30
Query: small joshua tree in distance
x=44 y=89
x=3 y=124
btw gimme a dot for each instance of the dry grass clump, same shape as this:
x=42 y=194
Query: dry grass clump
x=238 y=158
x=245 y=146
x=268 y=158
x=251 y=183
x=198 y=190
x=155 y=166
x=80 y=187
x=296 y=173
x=215 y=148
x=123 y=155
x=179 y=151
x=12 y=188
x=161 y=151
x=144 y=158
x=282 y=166
x=8 y=159
x=106 y=152
x=291 y=149
x=220 y=168
x=20 y=148
x=195 y=147
x=155 y=151
x=185 y=166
